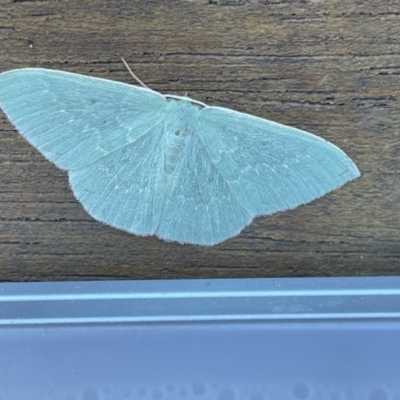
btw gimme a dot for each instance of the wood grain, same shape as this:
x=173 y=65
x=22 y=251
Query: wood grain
x=331 y=68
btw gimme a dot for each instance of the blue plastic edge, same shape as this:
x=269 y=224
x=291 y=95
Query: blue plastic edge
x=199 y=300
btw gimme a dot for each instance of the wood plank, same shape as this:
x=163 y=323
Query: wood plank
x=327 y=67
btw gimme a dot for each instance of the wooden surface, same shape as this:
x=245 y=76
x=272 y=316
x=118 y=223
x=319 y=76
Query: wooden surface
x=329 y=67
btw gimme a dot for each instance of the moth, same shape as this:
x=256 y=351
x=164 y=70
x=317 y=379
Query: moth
x=164 y=165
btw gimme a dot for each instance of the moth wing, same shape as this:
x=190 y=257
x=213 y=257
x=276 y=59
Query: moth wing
x=74 y=120
x=200 y=207
x=271 y=167
x=124 y=189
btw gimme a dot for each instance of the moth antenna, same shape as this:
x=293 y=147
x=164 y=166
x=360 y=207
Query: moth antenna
x=135 y=77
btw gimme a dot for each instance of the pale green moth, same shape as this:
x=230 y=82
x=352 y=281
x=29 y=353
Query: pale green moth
x=164 y=165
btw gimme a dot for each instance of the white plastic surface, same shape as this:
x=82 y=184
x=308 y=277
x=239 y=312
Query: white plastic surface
x=225 y=339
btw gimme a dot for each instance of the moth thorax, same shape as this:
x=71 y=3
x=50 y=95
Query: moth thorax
x=178 y=132
x=181 y=117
